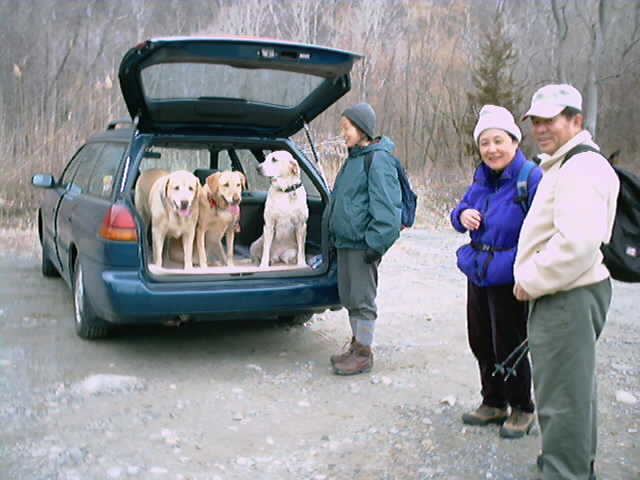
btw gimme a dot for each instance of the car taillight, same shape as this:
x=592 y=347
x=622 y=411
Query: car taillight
x=119 y=225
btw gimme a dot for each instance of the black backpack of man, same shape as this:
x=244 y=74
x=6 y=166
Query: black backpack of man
x=622 y=253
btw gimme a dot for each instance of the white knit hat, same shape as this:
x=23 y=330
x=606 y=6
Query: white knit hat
x=492 y=116
x=551 y=99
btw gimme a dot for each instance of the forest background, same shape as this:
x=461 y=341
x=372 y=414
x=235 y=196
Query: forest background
x=427 y=65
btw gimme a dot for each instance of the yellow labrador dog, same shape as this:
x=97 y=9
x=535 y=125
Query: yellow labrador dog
x=219 y=215
x=169 y=201
x=285 y=213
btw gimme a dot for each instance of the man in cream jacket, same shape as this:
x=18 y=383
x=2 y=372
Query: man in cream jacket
x=559 y=269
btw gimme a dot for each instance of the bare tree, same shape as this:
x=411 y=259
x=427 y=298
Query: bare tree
x=559 y=9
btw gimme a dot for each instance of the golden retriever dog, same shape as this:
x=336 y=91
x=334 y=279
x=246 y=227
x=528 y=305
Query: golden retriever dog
x=285 y=213
x=219 y=215
x=170 y=201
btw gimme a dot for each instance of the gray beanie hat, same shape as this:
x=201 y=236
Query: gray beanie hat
x=363 y=117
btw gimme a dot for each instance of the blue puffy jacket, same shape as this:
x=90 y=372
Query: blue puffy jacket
x=488 y=259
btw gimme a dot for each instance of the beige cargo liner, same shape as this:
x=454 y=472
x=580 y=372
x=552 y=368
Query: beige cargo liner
x=241 y=266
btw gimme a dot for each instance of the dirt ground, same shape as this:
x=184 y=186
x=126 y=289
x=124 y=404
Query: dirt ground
x=248 y=400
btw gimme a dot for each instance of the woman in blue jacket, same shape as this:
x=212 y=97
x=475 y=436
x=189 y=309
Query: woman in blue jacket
x=492 y=212
x=364 y=222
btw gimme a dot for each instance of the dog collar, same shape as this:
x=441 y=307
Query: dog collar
x=234 y=209
x=292 y=188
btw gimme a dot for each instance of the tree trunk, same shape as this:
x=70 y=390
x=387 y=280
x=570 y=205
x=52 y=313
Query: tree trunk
x=598 y=39
x=562 y=28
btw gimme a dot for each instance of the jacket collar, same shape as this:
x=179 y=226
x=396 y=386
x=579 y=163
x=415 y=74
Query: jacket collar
x=486 y=175
x=548 y=161
x=381 y=143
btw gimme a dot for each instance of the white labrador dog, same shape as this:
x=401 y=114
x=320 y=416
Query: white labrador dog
x=285 y=213
x=169 y=201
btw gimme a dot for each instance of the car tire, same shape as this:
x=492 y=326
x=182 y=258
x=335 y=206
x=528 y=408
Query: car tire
x=48 y=268
x=299 y=319
x=87 y=324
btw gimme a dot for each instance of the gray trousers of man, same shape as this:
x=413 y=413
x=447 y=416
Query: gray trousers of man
x=357 y=287
x=563 y=329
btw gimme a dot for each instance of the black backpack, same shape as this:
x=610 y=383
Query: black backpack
x=622 y=253
x=409 y=198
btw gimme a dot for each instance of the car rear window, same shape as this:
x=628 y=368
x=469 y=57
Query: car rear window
x=174 y=81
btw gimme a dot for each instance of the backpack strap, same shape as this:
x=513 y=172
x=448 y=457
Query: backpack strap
x=580 y=148
x=522 y=184
x=367 y=162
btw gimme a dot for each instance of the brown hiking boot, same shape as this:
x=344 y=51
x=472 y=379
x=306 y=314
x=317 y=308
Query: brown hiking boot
x=360 y=361
x=484 y=415
x=341 y=357
x=518 y=424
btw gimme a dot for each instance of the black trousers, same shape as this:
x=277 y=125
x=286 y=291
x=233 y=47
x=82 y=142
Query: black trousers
x=497 y=324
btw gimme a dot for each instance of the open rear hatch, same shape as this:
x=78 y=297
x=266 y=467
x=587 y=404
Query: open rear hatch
x=231 y=86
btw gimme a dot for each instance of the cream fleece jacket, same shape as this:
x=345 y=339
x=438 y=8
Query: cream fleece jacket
x=571 y=215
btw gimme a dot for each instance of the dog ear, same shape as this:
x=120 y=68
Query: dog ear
x=166 y=187
x=213 y=181
x=243 y=180
x=294 y=168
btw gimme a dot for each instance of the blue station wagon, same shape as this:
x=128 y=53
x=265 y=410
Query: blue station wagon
x=202 y=105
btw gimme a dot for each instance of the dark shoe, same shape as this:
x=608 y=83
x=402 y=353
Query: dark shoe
x=518 y=424
x=341 y=357
x=360 y=361
x=484 y=415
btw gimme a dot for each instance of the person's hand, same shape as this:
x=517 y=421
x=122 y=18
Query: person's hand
x=470 y=219
x=520 y=293
x=371 y=256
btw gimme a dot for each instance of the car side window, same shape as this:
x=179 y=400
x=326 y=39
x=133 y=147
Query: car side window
x=101 y=182
x=256 y=182
x=86 y=164
x=249 y=162
x=172 y=159
x=70 y=170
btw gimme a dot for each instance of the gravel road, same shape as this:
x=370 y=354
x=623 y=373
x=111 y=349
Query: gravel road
x=247 y=400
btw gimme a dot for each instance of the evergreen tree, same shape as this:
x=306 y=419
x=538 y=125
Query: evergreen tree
x=492 y=79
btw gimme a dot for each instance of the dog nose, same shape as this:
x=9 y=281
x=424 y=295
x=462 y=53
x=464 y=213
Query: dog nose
x=184 y=204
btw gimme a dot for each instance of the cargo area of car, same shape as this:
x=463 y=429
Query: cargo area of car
x=250 y=229
x=205 y=159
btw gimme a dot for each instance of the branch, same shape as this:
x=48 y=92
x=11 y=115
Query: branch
x=560 y=19
x=635 y=36
x=63 y=63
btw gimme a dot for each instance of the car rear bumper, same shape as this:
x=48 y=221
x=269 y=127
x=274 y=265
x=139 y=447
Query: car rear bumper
x=125 y=296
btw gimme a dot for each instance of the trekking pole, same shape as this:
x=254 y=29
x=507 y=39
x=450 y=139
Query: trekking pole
x=501 y=367
x=512 y=370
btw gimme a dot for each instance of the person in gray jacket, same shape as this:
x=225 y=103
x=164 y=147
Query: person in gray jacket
x=364 y=222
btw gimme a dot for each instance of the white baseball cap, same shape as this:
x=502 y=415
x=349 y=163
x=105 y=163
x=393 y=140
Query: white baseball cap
x=492 y=116
x=552 y=99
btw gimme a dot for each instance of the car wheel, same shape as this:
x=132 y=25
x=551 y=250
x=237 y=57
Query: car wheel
x=88 y=326
x=298 y=319
x=48 y=268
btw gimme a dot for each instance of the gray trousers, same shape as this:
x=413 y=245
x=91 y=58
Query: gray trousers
x=563 y=329
x=357 y=287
